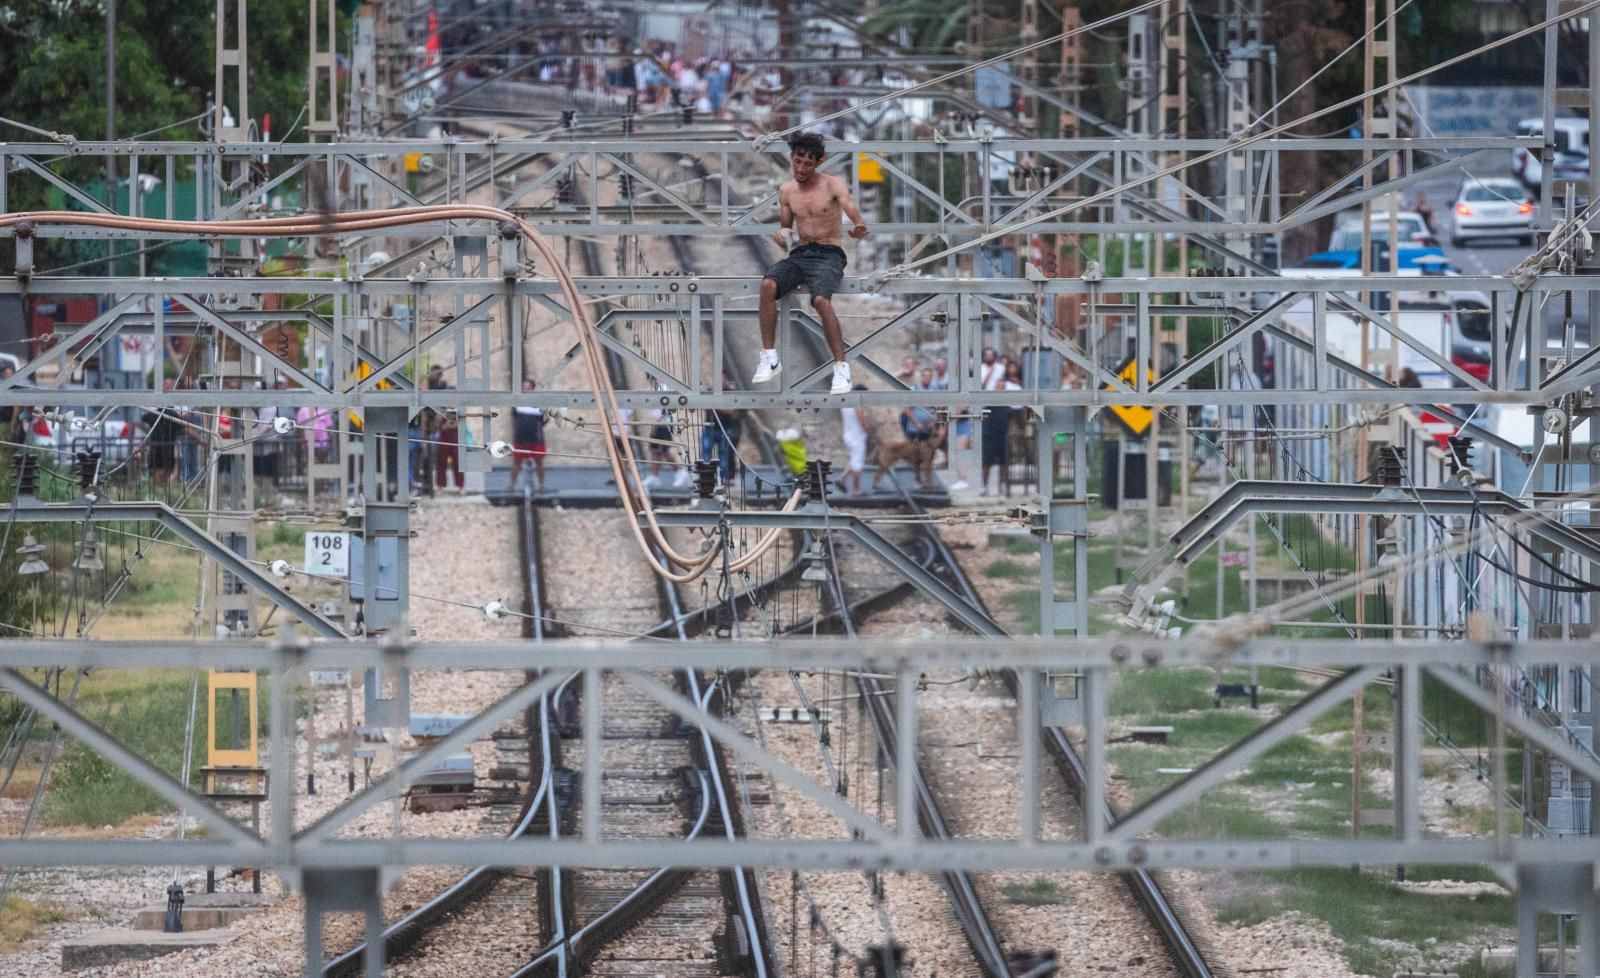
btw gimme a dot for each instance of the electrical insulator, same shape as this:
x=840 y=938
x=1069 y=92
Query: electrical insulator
x=1386 y=465
x=88 y=470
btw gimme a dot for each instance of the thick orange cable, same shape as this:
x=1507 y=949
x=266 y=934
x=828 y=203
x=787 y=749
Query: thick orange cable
x=622 y=460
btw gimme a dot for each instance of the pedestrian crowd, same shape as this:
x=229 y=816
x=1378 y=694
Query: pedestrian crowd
x=922 y=426
x=654 y=73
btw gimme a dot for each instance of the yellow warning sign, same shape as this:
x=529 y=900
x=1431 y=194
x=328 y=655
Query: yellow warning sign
x=868 y=169
x=363 y=371
x=1136 y=418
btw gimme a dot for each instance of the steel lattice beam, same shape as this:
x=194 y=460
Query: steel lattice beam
x=856 y=839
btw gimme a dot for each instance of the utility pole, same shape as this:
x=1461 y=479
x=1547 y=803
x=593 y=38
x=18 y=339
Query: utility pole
x=1173 y=84
x=1377 y=122
x=111 y=126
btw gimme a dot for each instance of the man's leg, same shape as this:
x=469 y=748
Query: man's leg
x=769 y=314
x=830 y=326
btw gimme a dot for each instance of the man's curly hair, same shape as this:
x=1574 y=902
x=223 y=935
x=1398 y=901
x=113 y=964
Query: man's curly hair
x=807 y=144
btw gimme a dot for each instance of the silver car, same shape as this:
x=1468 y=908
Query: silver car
x=1347 y=231
x=1492 y=208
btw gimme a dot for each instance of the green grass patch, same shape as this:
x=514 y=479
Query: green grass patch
x=164 y=576
x=1221 y=814
x=1009 y=569
x=1025 y=607
x=21 y=918
x=282 y=534
x=1038 y=892
x=1298 y=759
x=149 y=717
x=1146 y=691
x=1363 y=907
x=1454 y=715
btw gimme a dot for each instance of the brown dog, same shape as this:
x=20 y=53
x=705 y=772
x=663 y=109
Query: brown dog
x=918 y=454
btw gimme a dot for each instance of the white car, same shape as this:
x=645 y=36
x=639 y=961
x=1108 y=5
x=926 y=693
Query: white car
x=1492 y=208
x=72 y=430
x=1571 y=140
x=1347 y=231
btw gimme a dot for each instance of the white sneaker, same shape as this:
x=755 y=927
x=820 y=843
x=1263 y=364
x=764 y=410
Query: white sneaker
x=841 y=378
x=651 y=482
x=958 y=485
x=766 y=369
x=682 y=479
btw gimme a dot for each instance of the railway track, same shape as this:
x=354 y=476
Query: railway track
x=530 y=753
x=662 y=778
x=929 y=548
x=1185 y=953
x=970 y=914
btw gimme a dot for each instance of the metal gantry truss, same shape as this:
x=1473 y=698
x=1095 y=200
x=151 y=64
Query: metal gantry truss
x=720 y=304
x=858 y=839
x=725 y=191
x=683 y=201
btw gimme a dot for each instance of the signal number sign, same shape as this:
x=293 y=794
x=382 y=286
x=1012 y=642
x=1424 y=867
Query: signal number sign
x=328 y=554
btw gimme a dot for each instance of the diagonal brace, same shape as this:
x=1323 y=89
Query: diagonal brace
x=77 y=725
x=395 y=783
x=1148 y=815
x=1540 y=736
x=752 y=752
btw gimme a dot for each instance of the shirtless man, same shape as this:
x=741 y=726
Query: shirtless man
x=810 y=206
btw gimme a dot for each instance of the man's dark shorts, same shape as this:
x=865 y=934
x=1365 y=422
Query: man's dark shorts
x=819 y=267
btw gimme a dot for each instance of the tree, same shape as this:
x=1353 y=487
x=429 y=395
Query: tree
x=53 y=54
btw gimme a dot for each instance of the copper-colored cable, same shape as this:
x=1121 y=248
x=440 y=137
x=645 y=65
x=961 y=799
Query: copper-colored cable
x=619 y=452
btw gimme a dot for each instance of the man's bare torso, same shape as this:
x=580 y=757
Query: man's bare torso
x=817 y=208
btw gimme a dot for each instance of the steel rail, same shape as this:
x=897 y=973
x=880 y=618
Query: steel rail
x=969 y=912
x=742 y=880
x=1147 y=892
x=583 y=943
x=404 y=934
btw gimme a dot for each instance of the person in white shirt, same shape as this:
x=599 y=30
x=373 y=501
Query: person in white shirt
x=992 y=372
x=857 y=434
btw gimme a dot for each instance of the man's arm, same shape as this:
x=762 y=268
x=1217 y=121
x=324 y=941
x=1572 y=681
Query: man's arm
x=859 y=228
x=785 y=216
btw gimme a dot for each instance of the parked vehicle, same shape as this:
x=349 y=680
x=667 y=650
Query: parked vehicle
x=1571 y=138
x=66 y=431
x=1491 y=208
x=1453 y=325
x=1410 y=259
x=1347 y=230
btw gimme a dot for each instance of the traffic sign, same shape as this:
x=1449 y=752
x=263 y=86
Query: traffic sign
x=1136 y=418
x=868 y=169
